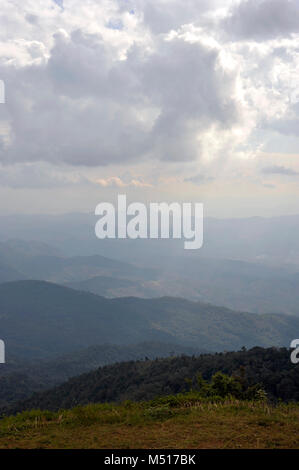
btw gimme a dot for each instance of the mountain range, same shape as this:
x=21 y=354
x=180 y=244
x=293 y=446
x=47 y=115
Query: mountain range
x=40 y=319
x=235 y=284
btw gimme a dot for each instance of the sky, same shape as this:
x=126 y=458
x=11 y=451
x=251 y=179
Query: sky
x=162 y=100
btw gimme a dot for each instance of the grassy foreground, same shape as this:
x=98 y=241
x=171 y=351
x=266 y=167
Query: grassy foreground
x=169 y=422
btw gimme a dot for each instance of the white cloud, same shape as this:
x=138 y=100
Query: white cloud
x=85 y=106
x=279 y=170
x=117 y=182
x=166 y=84
x=262 y=19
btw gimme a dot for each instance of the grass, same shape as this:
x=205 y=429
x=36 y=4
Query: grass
x=173 y=422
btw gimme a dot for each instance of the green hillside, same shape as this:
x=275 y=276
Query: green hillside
x=144 y=380
x=20 y=378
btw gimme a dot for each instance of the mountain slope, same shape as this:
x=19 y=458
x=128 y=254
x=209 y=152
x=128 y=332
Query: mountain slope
x=8 y=274
x=40 y=319
x=105 y=286
x=38 y=260
x=238 y=285
x=143 y=380
x=19 y=379
x=77 y=268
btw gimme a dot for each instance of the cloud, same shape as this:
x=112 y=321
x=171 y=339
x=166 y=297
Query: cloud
x=117 y=182
x=288 y=124
x=37 y=176
x=84 y=106
x=59 y=3
x=115 y=23
x=199 y=179
x=165 y=15
x=261 y=20
x=175 y=83
x=279 y=170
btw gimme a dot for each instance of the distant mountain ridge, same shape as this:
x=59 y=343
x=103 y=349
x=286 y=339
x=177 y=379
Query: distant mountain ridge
x=234 y=284
x=239 y=285
x=8 y=274
x=36 y=260
x=271 y=240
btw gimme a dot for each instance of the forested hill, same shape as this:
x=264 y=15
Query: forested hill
x=42 y=320
x=19 y=379
x=141 y=380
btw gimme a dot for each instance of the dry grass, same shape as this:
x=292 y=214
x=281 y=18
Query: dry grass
x=230 y=424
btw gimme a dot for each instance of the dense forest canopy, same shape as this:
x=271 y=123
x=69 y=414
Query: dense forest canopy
x=147 y=379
